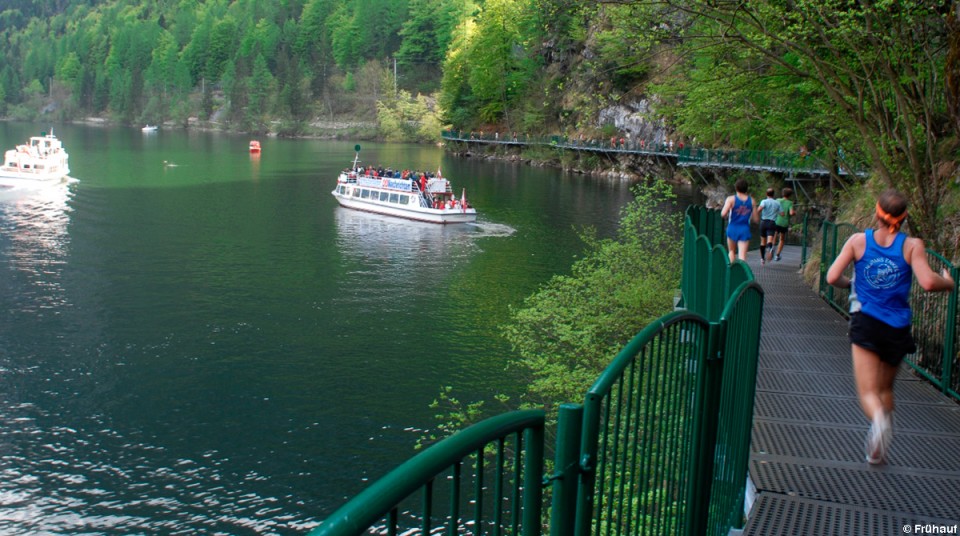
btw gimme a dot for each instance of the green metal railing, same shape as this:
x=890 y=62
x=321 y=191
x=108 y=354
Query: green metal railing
x=659 y=446
x=640 y=434
x=935 y=319
x=834 y=236
x=503 y=496
x=740 y=346
x=775 y=161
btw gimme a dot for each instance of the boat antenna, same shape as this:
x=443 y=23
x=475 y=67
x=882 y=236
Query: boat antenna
x=356 y=159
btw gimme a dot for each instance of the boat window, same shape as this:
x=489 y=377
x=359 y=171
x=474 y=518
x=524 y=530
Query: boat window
x=356 y=192
x=384 y=196
x=404 y=199
x=365 y=194
x=340 y=189
x=394 y=198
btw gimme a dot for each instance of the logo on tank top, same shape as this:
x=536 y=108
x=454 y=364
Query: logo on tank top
x=881 y=272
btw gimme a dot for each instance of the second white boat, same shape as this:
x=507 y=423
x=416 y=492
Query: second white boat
x=422 y=198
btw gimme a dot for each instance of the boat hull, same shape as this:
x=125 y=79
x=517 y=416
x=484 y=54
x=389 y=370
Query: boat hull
x=11 y=180
x=41 y=161
x=431 y=215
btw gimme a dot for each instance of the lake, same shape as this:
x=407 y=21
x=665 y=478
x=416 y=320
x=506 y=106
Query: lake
x=197 y=340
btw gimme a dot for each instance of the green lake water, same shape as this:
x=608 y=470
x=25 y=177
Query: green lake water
x=213 y=346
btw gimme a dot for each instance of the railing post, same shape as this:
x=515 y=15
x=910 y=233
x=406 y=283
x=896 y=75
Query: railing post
x=825 y=260
x=532 y=482
x=705 y=434
x=566 y=470
x=949 y=335
x=803 y=239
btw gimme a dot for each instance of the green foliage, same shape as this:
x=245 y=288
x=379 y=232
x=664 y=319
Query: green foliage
x=567 y=333
x=488 y=67
x=408 y=118
x=861 y=79
x=453 y=415
x=349 y=84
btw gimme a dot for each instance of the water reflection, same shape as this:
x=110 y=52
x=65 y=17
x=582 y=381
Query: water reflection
x=388 y=246
x=33 y=224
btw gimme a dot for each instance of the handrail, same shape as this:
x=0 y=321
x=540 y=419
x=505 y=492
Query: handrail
x=382 y=496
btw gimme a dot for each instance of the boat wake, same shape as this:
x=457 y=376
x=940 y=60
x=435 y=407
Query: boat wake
x=493 y=229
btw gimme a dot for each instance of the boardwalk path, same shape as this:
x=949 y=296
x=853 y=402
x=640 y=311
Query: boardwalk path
x=807 y=459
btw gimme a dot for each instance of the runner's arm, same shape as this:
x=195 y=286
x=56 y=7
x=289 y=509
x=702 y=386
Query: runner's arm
x=848 y=254
x=916 y=255
x=727 y=205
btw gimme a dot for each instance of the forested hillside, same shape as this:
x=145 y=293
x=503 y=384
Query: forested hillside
x=243 y=63
x=873 y=84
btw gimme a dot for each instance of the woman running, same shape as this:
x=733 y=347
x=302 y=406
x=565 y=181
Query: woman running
x=885 y=261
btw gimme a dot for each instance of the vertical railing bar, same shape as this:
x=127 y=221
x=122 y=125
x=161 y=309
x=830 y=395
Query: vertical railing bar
x=698 y=347
x=614 y=456
x=678 y=443
x=427 y=505
x=650 y=371
x=654 y=443
x=392 y=522
x=624 y=467
x=455 y=499
x=498 y=490
x=518 y=462
x=532 y=480
x=657 y=443
x=949 y=336
x=601 y=471
x=478 y=517
x=635 y=473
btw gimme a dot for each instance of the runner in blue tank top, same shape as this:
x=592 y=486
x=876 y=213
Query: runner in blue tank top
x=884 y=262
x=739 y=208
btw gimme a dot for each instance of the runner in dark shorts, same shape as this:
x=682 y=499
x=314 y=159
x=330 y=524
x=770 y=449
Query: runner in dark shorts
x=885 y=264
x=768 y=210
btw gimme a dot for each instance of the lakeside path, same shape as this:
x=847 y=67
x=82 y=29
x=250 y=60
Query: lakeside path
x=807 y=452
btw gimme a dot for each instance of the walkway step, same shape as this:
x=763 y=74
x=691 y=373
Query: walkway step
x=808 y=434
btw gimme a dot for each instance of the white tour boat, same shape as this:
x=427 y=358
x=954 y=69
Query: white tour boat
x=429 y=199
x=42 y=160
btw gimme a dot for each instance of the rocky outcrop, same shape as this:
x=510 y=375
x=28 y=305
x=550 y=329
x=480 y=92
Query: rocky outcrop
x=633 y=119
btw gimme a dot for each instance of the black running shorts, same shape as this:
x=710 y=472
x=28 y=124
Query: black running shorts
x=888 y=342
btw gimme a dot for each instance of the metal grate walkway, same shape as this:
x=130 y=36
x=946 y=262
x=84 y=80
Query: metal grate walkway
x=807 y=460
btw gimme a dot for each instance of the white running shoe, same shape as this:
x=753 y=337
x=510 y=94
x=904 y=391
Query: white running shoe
x=878 y=439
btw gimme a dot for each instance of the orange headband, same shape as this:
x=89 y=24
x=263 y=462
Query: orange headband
x=893 y=222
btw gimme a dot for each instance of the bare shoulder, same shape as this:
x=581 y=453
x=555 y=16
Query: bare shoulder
x=858 y=243
x=913 y=246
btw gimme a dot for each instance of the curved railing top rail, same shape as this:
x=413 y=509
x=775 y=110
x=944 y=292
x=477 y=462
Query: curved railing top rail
x=734 y=298
x=615 y=369
x=380 y=497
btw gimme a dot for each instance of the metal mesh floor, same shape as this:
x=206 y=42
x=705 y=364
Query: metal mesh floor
x=779 y=515
x=808 y=434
